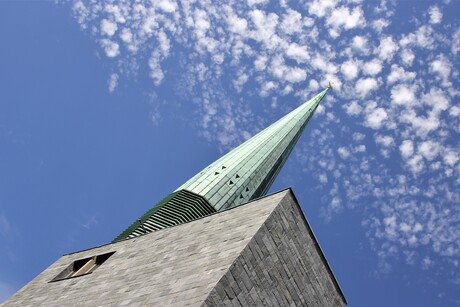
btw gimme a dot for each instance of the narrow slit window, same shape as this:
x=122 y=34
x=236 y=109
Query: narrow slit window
x=82 y=267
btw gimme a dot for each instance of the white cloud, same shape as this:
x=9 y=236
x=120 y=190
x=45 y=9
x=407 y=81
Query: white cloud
x=320 y=62
x=336 y=204
x=403 y=94
x=112 y=49
x=387 y=48
x=202 y=23
x=298 y=53
x=256 y=2
x=375 y=118
x=385 y=140
x=167 y=6
x=398 y=74
x=115 y=12
x=429 y=149
x=454 y=111
x=164 y=43
x=278 y=67
x=280 y=70
x=451 y=157
x=359 y=148
x=292 y=22
x=380 y=24
x=407 y=56
x=437 y=100
x=343 y=152
x=113 y=82
x=373 y=67
x=365 y=86
x=360 y=43
x=353 y=108
x=415 y=164
x=323 y=178
x=427 y=263
x=267 y=88
x=406 y=148
x=126 y=35
x=237 y=25
x=358 y=137
x=321 y=7
x=294 y=74
x=350 y=69
x=108 y=27
x=313 y=85
x=240 y=81
x=421 y=125
x=82 y=13
x=344 y=18
x=156 y=73
x=287 y=90
x=404 y=227
x=265 y=25
x=260 y=63
x=442 y=66
x=435 y=14
x=424 y=37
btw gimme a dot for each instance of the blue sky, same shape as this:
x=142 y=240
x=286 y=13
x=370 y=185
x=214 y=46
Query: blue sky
x=106 y=107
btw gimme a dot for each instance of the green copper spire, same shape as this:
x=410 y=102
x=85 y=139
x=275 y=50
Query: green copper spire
x=245 y=173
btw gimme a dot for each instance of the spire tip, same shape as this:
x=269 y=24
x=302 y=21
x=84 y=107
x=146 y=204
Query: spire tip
x=329 y=86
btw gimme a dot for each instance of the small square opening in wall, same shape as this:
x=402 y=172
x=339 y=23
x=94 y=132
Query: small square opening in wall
x=82 y=267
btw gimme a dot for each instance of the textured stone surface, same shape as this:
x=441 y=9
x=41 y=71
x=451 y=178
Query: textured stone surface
x=259 y=253
x=281 y=266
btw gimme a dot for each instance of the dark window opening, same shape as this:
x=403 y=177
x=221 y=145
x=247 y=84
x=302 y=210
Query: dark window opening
x=82 y=267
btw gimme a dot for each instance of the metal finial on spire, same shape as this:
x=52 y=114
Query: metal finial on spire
x=330 y=86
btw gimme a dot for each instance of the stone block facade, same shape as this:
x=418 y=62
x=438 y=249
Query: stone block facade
x=261 y=253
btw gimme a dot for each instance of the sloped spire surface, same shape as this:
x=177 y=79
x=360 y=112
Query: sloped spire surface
x=248 y=171
x=244 y=173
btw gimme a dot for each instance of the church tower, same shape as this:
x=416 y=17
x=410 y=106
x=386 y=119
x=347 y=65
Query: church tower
x=243 y=174
x=214 y=241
